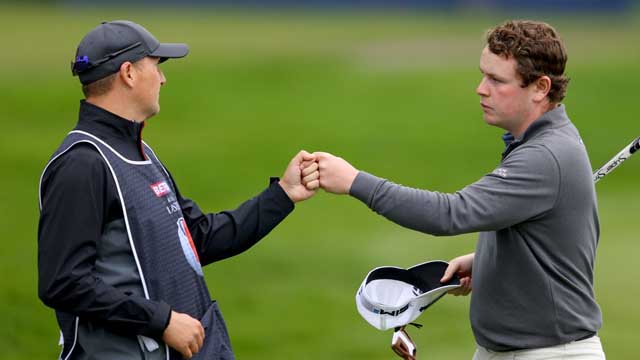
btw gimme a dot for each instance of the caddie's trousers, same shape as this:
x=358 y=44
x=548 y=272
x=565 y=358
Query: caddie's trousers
x=587 y=349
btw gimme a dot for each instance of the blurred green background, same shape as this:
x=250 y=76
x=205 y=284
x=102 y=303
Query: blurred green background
x=391 y=92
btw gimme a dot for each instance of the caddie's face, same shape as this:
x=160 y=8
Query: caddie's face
x=150 y=79
x=505 y=103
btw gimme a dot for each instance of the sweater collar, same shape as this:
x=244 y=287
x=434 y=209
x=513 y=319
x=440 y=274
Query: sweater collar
x=108 y=121
x=123 y=134
x=554 y=118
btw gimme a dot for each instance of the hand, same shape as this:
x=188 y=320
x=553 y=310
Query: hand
x=462 y=266
x=336 y=174
x=184 y=334
x=310 y=174
x=296 y=172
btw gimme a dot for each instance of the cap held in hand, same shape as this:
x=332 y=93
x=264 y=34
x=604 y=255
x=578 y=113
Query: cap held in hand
x=391 y=297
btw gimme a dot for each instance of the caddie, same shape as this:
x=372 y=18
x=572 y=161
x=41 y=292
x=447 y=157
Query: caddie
x=120 y=249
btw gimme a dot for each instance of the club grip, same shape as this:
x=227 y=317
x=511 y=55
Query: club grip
x=635 y=146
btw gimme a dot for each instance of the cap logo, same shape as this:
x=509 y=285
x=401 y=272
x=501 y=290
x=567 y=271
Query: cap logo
x=81 y=64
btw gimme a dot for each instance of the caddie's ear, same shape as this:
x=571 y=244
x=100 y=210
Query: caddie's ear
x=127 y=73
x=541 y=88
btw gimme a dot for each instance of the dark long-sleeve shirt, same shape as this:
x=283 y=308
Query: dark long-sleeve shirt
x=80 y=207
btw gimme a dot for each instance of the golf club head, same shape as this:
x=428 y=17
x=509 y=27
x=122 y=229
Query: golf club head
x=402 y=344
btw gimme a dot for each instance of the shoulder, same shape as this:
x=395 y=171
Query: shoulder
x=82 y=163
x=532 y=161
x=565 y=146
x=78 y=157
x=534 y=155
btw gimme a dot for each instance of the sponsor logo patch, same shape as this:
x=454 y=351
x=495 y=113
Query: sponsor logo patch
x=502 y=172
x=160 y=188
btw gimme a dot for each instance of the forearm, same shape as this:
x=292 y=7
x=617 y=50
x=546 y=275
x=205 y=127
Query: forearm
x=93 y=300
x=421 y=210
x=491 y=203
x=221 y=235
x=67 y=282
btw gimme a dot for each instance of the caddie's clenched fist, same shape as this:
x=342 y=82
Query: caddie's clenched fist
x=300 y=179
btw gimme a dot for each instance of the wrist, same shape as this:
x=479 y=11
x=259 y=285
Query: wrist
x=159 y=320
x=288 y=189
x=352 y=179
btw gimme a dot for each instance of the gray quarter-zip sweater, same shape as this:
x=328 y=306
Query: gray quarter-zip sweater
x=538 y=222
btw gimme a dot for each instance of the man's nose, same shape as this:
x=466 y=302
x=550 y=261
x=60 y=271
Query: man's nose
x=482 y=88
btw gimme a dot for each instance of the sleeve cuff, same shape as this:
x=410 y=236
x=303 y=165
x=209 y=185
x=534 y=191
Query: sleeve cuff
x=364 y=187
x=280 y=196
x=159 y=321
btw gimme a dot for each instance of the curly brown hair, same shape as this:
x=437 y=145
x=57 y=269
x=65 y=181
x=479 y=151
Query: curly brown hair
x=537 y=49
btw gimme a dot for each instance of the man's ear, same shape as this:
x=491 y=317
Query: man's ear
x=127 y=73
x=541 y=88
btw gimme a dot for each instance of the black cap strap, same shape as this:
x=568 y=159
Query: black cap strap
x=82 y=63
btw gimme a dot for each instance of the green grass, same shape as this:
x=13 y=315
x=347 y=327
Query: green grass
x=394 y=94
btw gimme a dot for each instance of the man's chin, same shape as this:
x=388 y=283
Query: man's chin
x=489 y=120
x=153 y=112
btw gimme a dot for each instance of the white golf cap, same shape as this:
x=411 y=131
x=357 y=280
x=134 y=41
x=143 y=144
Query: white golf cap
x=390 y=296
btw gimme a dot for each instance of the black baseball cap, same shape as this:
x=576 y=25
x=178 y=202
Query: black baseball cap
x=106 y=47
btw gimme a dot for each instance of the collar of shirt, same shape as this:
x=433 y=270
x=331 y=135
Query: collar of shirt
x=553 y=118
x=508 y=138
x=124 y=135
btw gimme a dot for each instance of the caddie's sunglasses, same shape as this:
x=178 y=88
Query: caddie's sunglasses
x=82 y=63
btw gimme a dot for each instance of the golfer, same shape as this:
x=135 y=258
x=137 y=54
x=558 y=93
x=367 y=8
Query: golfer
x=532 y=270
x=120 y=250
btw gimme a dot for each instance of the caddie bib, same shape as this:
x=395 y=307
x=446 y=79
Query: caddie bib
x=161 y=244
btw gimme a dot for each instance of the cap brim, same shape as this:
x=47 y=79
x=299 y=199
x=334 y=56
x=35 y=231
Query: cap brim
x=428 y=275
x=171 y=51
